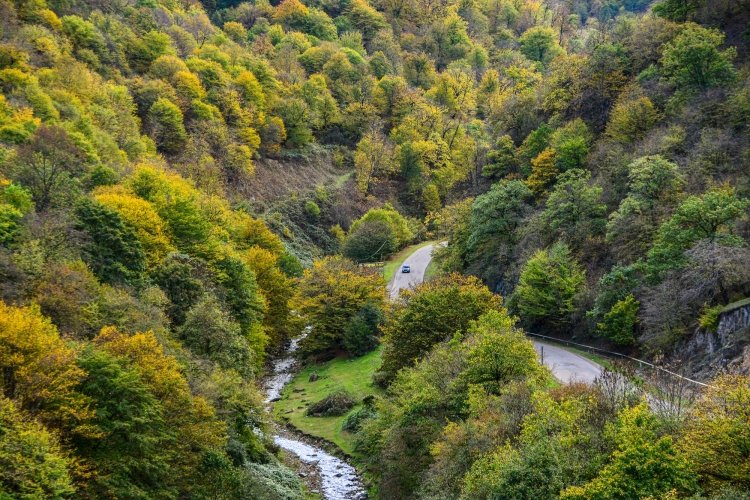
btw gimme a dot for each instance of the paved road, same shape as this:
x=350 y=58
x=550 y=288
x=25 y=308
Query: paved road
x=565 y=365
x=418 y=262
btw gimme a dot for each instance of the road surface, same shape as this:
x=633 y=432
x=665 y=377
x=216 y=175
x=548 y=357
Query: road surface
x=565 y=365
x=418 y=261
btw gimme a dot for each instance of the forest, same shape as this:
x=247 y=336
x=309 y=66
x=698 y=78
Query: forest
x=190 y=187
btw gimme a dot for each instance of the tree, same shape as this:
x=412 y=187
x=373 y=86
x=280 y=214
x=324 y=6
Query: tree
x=694 y=61
x=391 y=216
x=644 y=465
x=549 y=283
x=329 y=296
x=573 y=212
x=654 y=186
x=677 y=10
x=140 y=215
x=201 y=435
x=32 y=462
x=373 y=159
x=112 y=248
x=429 y=314
x=132 y=446
x=487 y=240
x=619 y=323
x=501 y=159
x=39 y=370
x=543 y=171
x=49 y=166
x=361 y=336
x=540 y=44
x=498 y=353
x=631 y=119
x=370 y=241
x=178 y=276
x=167 y=128
x=277 y=290
x=710 y=216
x=209 y=331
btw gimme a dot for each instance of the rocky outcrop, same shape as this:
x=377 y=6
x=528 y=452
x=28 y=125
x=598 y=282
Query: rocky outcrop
x=732 y=320
x=706 y=353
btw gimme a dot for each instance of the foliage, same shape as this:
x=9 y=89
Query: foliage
x=429 y=314
x=693 y=60
x=113 y=250
x=329 y=298
x=548 y=286
x=33 y=462
x=709 y=318
x=716 y=432
x=620 y=322
x=643 y=465
x=363 y=332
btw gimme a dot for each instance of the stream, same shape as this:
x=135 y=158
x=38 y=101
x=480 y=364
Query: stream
x=339 y=480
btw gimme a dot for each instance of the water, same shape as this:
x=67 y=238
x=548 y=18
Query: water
x=339 y=480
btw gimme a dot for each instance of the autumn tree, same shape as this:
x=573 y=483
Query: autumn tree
x=32 y=461
x=373 y=159
x=330 y=295
x=716 y=431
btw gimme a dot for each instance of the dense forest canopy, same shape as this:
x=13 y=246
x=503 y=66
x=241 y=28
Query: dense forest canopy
x=586 y=160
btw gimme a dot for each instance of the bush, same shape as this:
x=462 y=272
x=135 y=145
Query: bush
x=335 y=404
x=709 y=318
x=353 y=422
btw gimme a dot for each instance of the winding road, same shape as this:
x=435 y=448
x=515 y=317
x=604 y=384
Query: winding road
x=565 y=365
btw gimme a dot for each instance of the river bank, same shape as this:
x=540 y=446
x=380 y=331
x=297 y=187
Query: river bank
x=330 y=475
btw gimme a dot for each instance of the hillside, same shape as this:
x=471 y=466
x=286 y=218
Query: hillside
x=190 y=188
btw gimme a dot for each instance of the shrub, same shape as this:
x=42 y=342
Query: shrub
x=335 y=404
x=709 y=318
x=353 y=422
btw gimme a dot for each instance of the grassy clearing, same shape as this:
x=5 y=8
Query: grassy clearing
x=352 y=375
x=394 y=263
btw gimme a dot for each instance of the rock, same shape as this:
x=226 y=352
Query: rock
x=274 y=400
x=338 y=474
x=313 y=377
x=302 y=474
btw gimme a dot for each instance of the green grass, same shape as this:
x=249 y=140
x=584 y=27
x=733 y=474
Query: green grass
x=736 y=305
x=342 y=179
x=352 y=375
x=395 y=262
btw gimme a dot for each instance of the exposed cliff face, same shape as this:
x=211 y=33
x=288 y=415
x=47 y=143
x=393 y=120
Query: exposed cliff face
x=728 y=349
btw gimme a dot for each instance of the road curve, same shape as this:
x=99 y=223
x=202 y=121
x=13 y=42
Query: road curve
x=565 y=365
x=418 y=261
